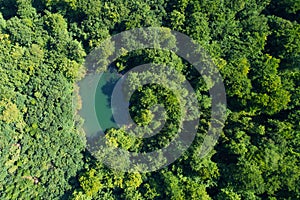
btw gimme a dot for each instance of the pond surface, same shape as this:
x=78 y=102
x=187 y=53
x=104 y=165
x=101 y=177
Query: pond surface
x=95 y=92
x=103 y=100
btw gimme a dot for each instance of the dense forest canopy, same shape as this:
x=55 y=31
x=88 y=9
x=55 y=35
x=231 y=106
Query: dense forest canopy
x=254 y=43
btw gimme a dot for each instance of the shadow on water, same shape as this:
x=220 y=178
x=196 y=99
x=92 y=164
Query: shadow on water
x=108 y=88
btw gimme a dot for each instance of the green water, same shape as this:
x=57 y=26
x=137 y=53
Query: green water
x=103 y=100
x=95 y=92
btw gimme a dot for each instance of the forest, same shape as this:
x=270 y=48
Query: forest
x=255 y=45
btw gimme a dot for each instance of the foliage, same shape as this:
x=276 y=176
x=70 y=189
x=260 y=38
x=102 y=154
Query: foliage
x=256 y=47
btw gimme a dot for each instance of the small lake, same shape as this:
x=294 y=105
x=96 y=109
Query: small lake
x=95 y=92
x=103 y=95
